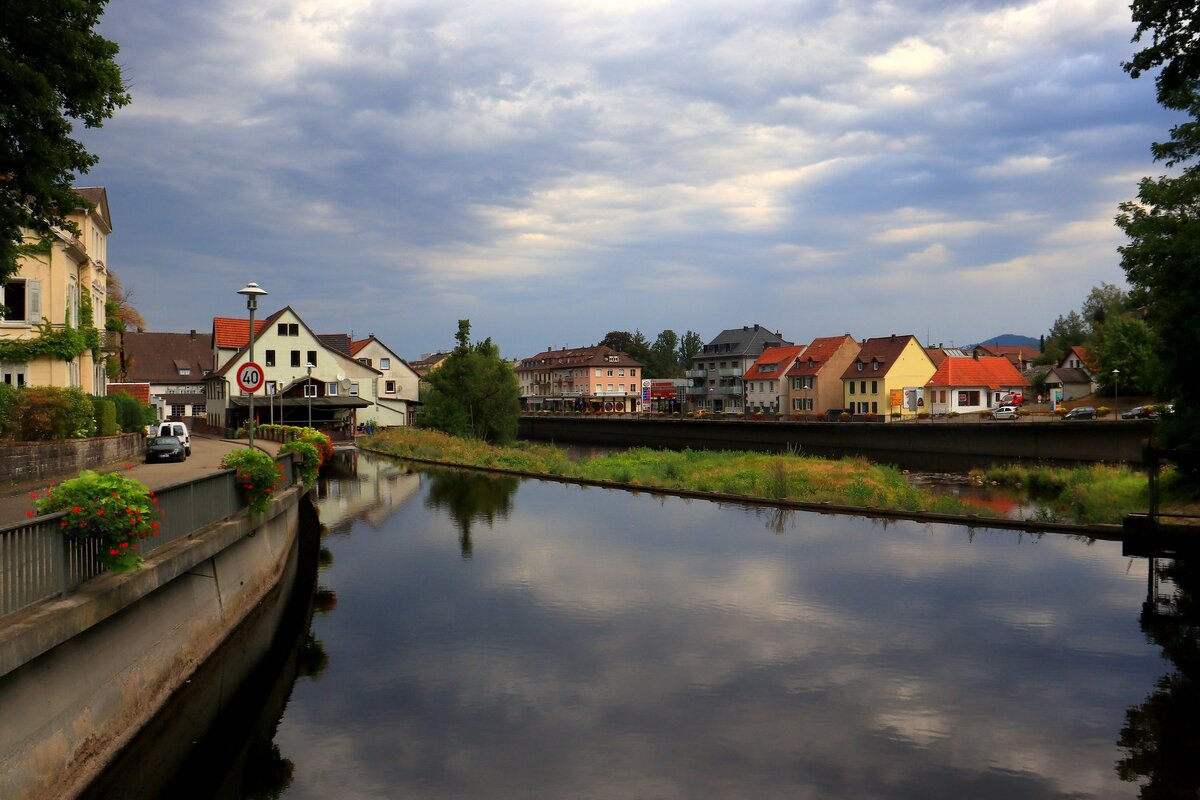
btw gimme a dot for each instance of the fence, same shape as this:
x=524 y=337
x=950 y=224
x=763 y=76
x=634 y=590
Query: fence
x=37 y=562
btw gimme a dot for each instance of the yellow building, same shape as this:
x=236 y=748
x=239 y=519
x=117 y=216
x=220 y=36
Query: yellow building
x=888 y=375
x=58 y=289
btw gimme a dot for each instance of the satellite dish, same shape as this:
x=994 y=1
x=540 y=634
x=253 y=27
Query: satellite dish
x=341 y=376
x=345 y=384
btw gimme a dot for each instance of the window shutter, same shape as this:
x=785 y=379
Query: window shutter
x=34 y=298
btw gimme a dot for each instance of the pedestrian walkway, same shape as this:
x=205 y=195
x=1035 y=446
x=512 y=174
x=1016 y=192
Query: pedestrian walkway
x=206 y=457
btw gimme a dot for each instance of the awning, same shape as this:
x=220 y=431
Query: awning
x=301 y=402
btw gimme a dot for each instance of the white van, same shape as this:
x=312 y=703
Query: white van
x=177 y=429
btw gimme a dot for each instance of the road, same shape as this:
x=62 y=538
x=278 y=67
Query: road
x=205 y=458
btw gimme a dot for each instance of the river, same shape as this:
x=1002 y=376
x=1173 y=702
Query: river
x=473 y=636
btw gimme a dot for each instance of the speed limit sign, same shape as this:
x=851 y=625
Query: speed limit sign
x=250 y=377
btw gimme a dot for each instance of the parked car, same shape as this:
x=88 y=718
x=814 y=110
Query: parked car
x=179 y=430
x=1083 y=412
x=165 y=448
x=1005 y=412
x=1140 y=412
x=1012 y=399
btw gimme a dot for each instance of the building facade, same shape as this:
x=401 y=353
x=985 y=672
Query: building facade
x=813 y=385
x=596 y=379
x=717 y=370
x=887 y=375
x=397 y=389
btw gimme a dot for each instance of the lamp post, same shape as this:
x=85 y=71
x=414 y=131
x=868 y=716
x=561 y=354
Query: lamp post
x=252 y=291
x=308 y=391
x=1116 y=373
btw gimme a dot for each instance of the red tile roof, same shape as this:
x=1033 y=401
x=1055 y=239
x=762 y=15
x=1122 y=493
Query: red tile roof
x=234 y=332
x=995 y=372
x=773 y=363
x=1085 y=355
x=359 y=345
x=597 y=355
x=818 y=352
x=139 y=391
x=883 y=349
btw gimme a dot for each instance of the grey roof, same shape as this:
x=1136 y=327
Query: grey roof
x=745 y=341
x=158 y=357
x=1067 y=375
x=336 y=341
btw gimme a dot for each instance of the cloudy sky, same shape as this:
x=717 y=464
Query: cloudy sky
x=555 y=169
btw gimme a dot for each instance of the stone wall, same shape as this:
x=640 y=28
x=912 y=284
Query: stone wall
x=25 y=464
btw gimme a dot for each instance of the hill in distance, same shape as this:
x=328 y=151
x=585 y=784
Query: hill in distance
x=1009 y=339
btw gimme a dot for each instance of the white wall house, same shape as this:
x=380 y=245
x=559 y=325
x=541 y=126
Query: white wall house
x=397 y=390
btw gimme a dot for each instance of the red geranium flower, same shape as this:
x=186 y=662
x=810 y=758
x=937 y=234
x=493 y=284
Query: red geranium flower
x=29 y=513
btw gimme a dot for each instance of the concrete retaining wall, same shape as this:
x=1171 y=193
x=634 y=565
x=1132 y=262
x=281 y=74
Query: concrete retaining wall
x=27 y=463
x=85 y=672
x=939 y=446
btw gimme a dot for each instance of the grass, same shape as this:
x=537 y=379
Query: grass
x=850 y=481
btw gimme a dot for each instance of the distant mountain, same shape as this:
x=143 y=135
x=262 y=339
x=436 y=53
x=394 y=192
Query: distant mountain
x=1010 y=339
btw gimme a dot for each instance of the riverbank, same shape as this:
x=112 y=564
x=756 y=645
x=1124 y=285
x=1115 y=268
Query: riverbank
x=849 y=485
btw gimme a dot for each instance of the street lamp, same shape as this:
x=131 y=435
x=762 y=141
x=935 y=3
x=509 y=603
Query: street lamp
x=1116 y=373
x=252 y=291
x=309 y=392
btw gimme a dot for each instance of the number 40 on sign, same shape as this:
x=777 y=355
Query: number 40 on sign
x=249 y=377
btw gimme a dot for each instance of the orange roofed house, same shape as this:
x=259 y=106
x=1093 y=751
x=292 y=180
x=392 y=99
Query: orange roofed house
x=963 y=385
x=814 y=382
x=595 y=378
x=765 y=379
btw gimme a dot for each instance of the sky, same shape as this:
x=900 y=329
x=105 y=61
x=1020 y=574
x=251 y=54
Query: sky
x=556 y=169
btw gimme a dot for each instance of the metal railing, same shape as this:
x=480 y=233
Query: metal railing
x=38 y=563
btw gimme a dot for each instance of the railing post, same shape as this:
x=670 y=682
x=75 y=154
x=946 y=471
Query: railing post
x=61 y=563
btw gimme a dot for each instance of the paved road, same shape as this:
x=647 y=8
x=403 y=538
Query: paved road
x=205 y=458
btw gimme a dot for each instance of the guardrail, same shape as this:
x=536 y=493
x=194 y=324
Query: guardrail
x=38 y=563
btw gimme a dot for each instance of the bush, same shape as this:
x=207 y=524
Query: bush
x=1061 y=411
x=1103 y=411
x=257 y=474
x=10 y=398
x=131 y=414
x=47 y=413
x=843 y=417
x=897 y=414
x=870 y=416
x=310 y=464
x=922 y=415
x=116 y=510
x=951 y=414
x=105 y=413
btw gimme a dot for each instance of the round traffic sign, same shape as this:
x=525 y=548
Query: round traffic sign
x=250 y=377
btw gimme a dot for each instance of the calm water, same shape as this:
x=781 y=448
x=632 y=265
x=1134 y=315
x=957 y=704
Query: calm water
x=484 y=637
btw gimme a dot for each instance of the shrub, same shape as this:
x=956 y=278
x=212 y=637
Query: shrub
x=844 y=417
x=870 y=416
x=757 y=415
x=117 y=511
x=1103 y=411
x=131 y=414
x=46 y=413
x=105 y=413
x=257 y=474
x=1061 y=411
x=1023 y=412
x=897 y=414
x=10 y=398
x=951 y=414
x=310 y=464
x=922 y=415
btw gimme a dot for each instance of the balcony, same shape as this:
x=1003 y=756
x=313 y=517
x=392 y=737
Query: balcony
x=730 y=373
x=697 y=391
x=696 y=373
x=736 y=391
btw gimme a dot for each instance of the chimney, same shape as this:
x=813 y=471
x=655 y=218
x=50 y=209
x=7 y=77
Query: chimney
x=975 y=353
x=193 y=333
x=756 y=326
x=893 y=337
x=941 y=346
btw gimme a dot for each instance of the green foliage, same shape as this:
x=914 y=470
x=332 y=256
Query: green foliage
x=105 y=413
x=56 y=70
x=257 y=475
x=66 y=343
x=473 y=394
x=10 y=398
x=47 y=413
x=118 y=511
x=689 y=345
x=310 y=466
x=132 y=415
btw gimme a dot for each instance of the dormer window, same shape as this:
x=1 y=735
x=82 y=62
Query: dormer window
x=874 y=365
x=859 y=365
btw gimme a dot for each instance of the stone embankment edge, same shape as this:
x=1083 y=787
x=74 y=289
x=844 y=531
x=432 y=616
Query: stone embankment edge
x=1107 y=532
x=35 y=630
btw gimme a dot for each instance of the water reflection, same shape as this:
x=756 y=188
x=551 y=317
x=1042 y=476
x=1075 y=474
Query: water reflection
x=470 y=497
x=1161 y=735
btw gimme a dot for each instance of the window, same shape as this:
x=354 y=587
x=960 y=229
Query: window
x=22 y=301
x=14 y=374
x=331 y=390
x=389 y=387
x=270 y=358
x=288 y=329
x=968 y=398
x=281 y=329
x=295 y=358
x=610 y=373
x=874 y=365
x=176 y=410
x=310 y=390
x=851 y=387
x=199 y=409
x=385 y=363
x=858 y=366
x=366 y=361
x=354 y=388
x=862 y=387
x=874 y=408
x=610 y=387
x=633 y=372
x=621 y=372
x=312 y=357
x=874 y=387
x=797 y=404
x=597 y=372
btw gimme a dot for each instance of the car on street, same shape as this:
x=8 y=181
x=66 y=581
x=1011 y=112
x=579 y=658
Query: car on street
x=1083 y=412
x=165 y=448
x=1005 y=412
x=1140 y=412
x=179 y=430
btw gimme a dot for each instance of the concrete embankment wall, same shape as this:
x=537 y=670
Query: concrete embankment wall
x=26 y=463
x=941 y=446
x=83 y=673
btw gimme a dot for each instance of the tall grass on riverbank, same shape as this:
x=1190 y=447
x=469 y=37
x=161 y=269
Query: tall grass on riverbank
x=850 y=481
x=1100 y=493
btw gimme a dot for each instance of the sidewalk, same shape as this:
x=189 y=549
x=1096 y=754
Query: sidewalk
x=206 y=457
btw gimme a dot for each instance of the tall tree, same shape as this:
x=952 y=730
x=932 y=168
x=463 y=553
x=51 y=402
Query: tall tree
x=54 y=69
x=474 y=393
x=689 y=346
x=1162 y=259
x=664 y=362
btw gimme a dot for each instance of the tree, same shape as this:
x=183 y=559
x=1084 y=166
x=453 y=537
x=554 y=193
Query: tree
x=1065 y=333
x=1103 y=302
x=120 y=316
x=1162 y=259
x=689 y=346
x=474 y=393
x=1127 y=344
x=54 y=69
x=664 y=363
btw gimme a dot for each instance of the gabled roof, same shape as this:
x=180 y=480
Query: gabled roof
x=98 y=197
x=139 y=391
x=234 y=333
x=356 y=348
x=736 y=342
x=818 y=352
x=266 y=323
x=336 y=341
x=994 y=372
x=597 y=355
x=1065 y=375
x=160 y=357
x=885 y=350
x=1084 y=355
x=773 y=363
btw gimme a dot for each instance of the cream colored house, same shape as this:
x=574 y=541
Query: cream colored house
x=334 y=393
x=63 y=285
x=397 y=392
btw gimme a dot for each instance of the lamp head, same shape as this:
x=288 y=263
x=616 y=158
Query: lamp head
x=252 y=291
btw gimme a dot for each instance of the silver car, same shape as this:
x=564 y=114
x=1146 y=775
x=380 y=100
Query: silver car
x=1005 y=412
